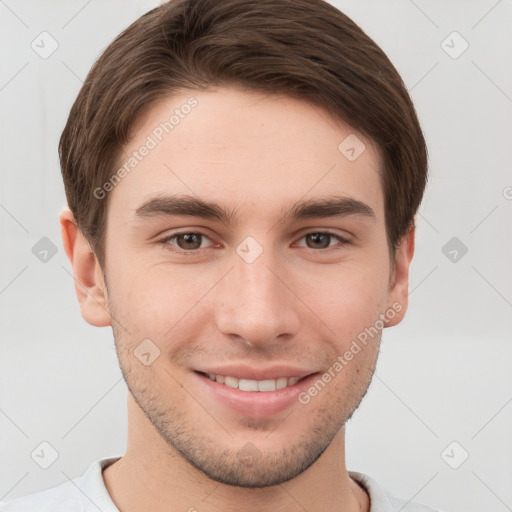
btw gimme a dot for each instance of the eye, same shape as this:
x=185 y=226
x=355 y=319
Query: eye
x=187 y=241
x=321 y=240
x=192 y=241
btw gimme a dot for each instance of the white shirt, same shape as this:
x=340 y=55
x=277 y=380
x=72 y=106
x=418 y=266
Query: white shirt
x=88 y=493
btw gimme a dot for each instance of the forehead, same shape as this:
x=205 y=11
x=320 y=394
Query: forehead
x=234 y=146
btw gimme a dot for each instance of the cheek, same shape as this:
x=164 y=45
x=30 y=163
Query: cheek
x=350 y=299
x=152 y=300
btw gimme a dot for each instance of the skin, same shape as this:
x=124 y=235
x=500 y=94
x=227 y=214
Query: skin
x=301 y=302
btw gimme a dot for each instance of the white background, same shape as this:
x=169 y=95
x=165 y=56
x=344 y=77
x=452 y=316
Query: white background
x=443 y=374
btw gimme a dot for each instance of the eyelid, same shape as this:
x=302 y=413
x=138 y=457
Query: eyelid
x=339 y=237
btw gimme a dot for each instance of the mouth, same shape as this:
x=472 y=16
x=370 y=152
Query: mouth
x=250 y=397
x=263 y=386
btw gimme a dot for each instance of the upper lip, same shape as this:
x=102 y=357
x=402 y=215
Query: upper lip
x=247 y=372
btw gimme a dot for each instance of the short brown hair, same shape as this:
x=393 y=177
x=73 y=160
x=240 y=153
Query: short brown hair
x=304 y=49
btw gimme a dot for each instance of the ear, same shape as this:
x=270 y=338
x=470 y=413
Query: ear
x=399 y=282
x=89 y=283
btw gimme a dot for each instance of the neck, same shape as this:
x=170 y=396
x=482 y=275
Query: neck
x=153 y=476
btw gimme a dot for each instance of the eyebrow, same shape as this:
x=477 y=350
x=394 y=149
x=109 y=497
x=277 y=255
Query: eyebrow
x=334 y=206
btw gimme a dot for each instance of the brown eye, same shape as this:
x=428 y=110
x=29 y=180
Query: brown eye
x=187 y=241
x=322 y=240
x=319 y=240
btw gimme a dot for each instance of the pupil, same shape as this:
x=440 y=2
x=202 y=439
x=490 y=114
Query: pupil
x=189 y=239
x=317 y=237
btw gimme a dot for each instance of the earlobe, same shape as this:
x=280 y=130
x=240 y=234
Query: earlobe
x=89 y=283
x=399 y=286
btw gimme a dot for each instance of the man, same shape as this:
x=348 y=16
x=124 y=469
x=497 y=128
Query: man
x=242 y=179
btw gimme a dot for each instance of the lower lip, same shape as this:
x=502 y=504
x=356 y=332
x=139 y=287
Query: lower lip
x=256 y=403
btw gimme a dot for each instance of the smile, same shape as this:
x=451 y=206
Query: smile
x=257 y=398
x=254 y=385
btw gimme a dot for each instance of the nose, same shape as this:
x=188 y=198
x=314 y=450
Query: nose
x=258 y=305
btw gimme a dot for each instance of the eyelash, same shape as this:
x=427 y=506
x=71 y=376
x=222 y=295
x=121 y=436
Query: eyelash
x=166 y=241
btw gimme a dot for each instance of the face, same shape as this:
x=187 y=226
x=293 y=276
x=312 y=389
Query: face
x=276 y=277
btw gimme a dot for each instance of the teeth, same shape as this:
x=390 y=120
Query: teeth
x=254 y=385
x=281 y=383
x=266 y=385
x=231 y=382
x=247 y=385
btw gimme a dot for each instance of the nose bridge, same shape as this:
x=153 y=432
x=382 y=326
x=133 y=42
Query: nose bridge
x=255 y=304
